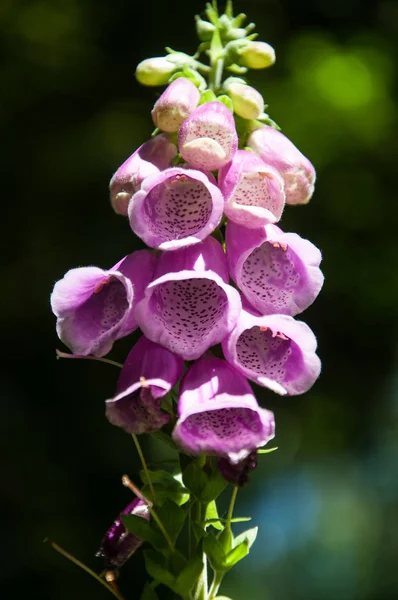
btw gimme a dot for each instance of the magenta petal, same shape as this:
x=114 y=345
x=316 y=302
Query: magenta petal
x=153 y=156
x=175 y=208
x=253 y=191
x=208 y=139
x=277 y=272
x=95 y=307
x=118 y=544
x=149 y=372
x=189 y=307
x=274 y=351
x=218 y=413
x=176 y=103
x=279 y=152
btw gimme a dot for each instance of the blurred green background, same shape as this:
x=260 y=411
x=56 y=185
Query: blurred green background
x=71 y=112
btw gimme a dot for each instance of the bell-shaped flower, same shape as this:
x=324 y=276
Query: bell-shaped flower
x=176 y=103
x=253 y=191
x=208 y=139
x=149 y=372
x=189 y=305
x=274 y=351
x=218 y=414
x=175 y=208
x=278 y=151
x=238 y=474
x=276 y=272
x=94 y=307
x=150 y=158
x=118 y=544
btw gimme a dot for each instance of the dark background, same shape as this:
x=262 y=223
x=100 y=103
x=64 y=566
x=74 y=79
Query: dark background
x=71 y=112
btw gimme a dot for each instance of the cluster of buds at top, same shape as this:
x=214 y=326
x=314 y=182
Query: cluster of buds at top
x=194 y=182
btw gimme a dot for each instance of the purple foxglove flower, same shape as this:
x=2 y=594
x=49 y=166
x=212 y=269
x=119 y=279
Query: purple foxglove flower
x=189 y=305
x=149 y=372
x=175 y=208
x=276 y=272
x=274 y=351
x=278 y=151
x=208 y=139
x=176 y=103
x=253 y=191
x=218 y=413
x=94 y=307
x=150 y=158
x=238 y=474
x=118 y=544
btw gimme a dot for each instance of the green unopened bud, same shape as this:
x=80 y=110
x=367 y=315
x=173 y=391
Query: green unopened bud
x=154 y=71
x=235 y=33
x=204 y=29
x=257 y=55
x=248 y=102
x=180 y=59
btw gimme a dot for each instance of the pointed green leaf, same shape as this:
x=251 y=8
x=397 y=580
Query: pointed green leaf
x=144 y=530
x=189 y=575
x=226 y=539
x=234 y=520
x=227 y=101
x=156 y=566
x=266 y=450
x=237 y=554
x=172 y=517
x=207 y=96
x=211 y=516
x=214 y=551
x=249 y=535
x=149 y=593
x=214 y=486
x=238 y=20
x=216 y=47
x=211 y=14
x=229 y=11
x=194 y=478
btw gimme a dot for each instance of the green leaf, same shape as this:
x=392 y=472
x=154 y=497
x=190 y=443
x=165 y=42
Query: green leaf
x=238 y=20
x=211 y=14
x=149 y=593
x=216 y=47
x=227 y=101
x=160 y=435
x=172 y=517
x=236 y=69
x=229 y=11
x=214 y=486
x=156 y=566
x=214 y=551
x=144 y=530
x=190 y=574
x=249 y=535
x=266 y=450
x=207 y=96
x=226 y=539
x=195 y=479
x=234 y=520
x=211 y=516
x=237 y=554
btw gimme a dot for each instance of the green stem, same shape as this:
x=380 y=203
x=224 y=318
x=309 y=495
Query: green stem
x=215 y=586
x=231 y=506
x=104 y=360
x=215 y=75
x=161 y=527
x=144 y=466
x=77 y=562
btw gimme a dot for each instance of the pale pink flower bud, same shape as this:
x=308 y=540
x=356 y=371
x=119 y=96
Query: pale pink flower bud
x=154 y=71
x=150 y=158
x=176 y=103
x=277 y=150
x=248 y=102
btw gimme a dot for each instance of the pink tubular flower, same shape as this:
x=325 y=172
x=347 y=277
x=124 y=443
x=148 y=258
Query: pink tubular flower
x=94 y=307
x=218 y=413
x=253 y=191
x=276 y=272
x=208 y=139
x=274 y=351
x=149 y=372
x=118 y=544
x=175 y=208
x=153 y=156
x=278 y=151
x=189 y=305
x=176 y=103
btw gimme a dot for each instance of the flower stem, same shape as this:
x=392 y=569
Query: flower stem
x=111 y=589
x=104 y=360
x=144 y=466
x=231 y=506
x=215 y=75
